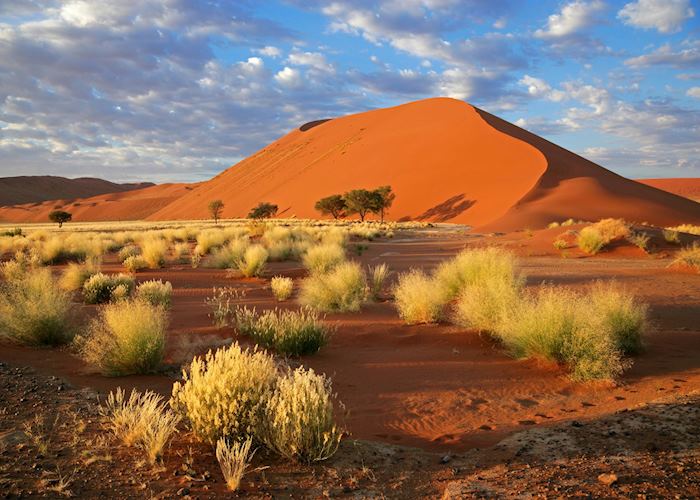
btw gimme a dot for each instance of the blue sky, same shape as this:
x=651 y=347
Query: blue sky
x=178 y=90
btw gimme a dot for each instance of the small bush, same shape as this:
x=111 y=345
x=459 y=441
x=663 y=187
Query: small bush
x=208 y=240
x=155 y=292
x=128 y=337
x=153 y=251
x=75 y=275
x=293 y=333
x=560 y=244
x=322 y=258
x=620 y=314
x=143 y=421
x=282 y=287
x=378 y=275
x=473 y=267
x=298 y=422
x=34 y=310
x=640 y=240
x=687 y=228
x=99 y=288
x=419 y=297
x=134 y=264
x=485 y=306
x=223 y=395
x=590 y=240
x=180 y=252
x=234 y=459
x=128 y=251
x=342 y=289
x=688 y=256
x=672 y=236
x=253 y=261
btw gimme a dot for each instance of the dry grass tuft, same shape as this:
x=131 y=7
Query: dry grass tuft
x=282 y=287
x=419 y=298
x=234 y=459
x=343 y=289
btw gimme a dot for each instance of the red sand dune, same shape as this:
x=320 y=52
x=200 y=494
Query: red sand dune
x=34 y=189
x=129 y=205
x=446 y=161
x=688 y=187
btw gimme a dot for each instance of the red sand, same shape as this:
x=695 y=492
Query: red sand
x=688 y=187
x=446 y=161
x=34 y=189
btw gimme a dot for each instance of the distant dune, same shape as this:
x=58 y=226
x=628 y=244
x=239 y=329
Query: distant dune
x=446 y=160
x=37 y=188
x=688 y=187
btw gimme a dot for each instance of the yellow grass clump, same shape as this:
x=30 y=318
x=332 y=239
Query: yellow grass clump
x=342 y=289
x=419 y=297
x=153 y=252
x=282 y=287
x=234 y=459
x=322 y=258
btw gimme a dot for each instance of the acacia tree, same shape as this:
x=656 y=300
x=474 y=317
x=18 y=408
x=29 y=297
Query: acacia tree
x=215 y=208
x=59 y=217
x=263 y=210
x=383 y=199
x=360 y=202
x=332 y=205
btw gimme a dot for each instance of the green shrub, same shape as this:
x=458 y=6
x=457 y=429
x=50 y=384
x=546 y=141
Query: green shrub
x=620 y=314
x=485 y=306
x=99 y=288
x=342 y=289
x=322 y=258
x=155 y=292
x=473 y=267
x=293 y=333
x=34 y=310
x=298 y=422
x=282 y=287
x=127 y=337
x=419 y=297
x=223 y=395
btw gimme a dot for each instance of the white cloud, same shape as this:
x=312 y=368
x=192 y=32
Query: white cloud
x=315 y=60
x=665 y=16
x=269 y=51
x=289 y=77
x=693 y=92
x=572 y=19
x=686 y=57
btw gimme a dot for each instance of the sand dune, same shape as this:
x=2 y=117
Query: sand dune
x=447 y=161
x=688 y=187
x=34 y=189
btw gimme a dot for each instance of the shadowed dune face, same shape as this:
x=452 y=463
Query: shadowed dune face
x=445 y=160
x=686 y=187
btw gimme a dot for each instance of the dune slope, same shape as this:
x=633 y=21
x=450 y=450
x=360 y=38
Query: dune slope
x=688 y=187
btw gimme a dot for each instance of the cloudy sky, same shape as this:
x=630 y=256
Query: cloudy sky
x=178 y=90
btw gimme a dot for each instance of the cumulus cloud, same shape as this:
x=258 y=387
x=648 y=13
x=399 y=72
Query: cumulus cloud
x=688 y=56
x=665 y=16
x=573 y=18
x=693 y=92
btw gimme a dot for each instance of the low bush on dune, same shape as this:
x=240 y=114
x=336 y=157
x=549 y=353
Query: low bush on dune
x=292 y=333
x=223 y=394
x=282 y=287
x=253 y=262
x=342 y=289
x=592 y=239
x=639 y=239
x=419 y=297
x=298 y=420
x=153 y=252
x=473 y=267
x=75 y=275
x=560 y=244
x=142 y=420
x=101 y=288
x=155 y=292
x=35 y=310
x=686 y=228
x=127 y=337
x=688 y=256
x=322 y=258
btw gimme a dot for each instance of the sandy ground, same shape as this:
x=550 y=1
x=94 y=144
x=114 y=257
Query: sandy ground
x=417 y=395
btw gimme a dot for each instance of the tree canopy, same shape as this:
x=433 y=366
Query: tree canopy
x=263 y=210
x=215 y=208
x=332 y=205
x=60 y=216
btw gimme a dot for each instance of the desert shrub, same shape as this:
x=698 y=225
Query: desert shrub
x=552 y=225
x=484 y=306
x=229 y=255
x=55 y=251
x=298 y=422
x=155 y=292
x=620 y=314
x=377 y=276
x=671 y=236
x=419 y=298
x=560 y=244
x=342 y=289
x=75 y=275
x=127 y=337
x=99 y=288
x=590 y=240
x=476 y=266
x=208 y=240
x=234 y=459
x=686 y=228
x=639 y=239
x=322 y=258
x=128 y=251
x=143 y=420
x=688 y=256
x=35 y=310
x=153 y=251
x=334 y=236
x=293 y=333
x=134 y=264
x=282 y=287
x=253 y=261
x=612 y=229
x=223 y=394
x=180 y=252
x=220 y=305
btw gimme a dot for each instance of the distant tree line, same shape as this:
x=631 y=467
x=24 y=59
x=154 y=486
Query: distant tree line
x=357 y=201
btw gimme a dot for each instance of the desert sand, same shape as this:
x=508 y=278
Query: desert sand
x=688 y=187
x=446 y=160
